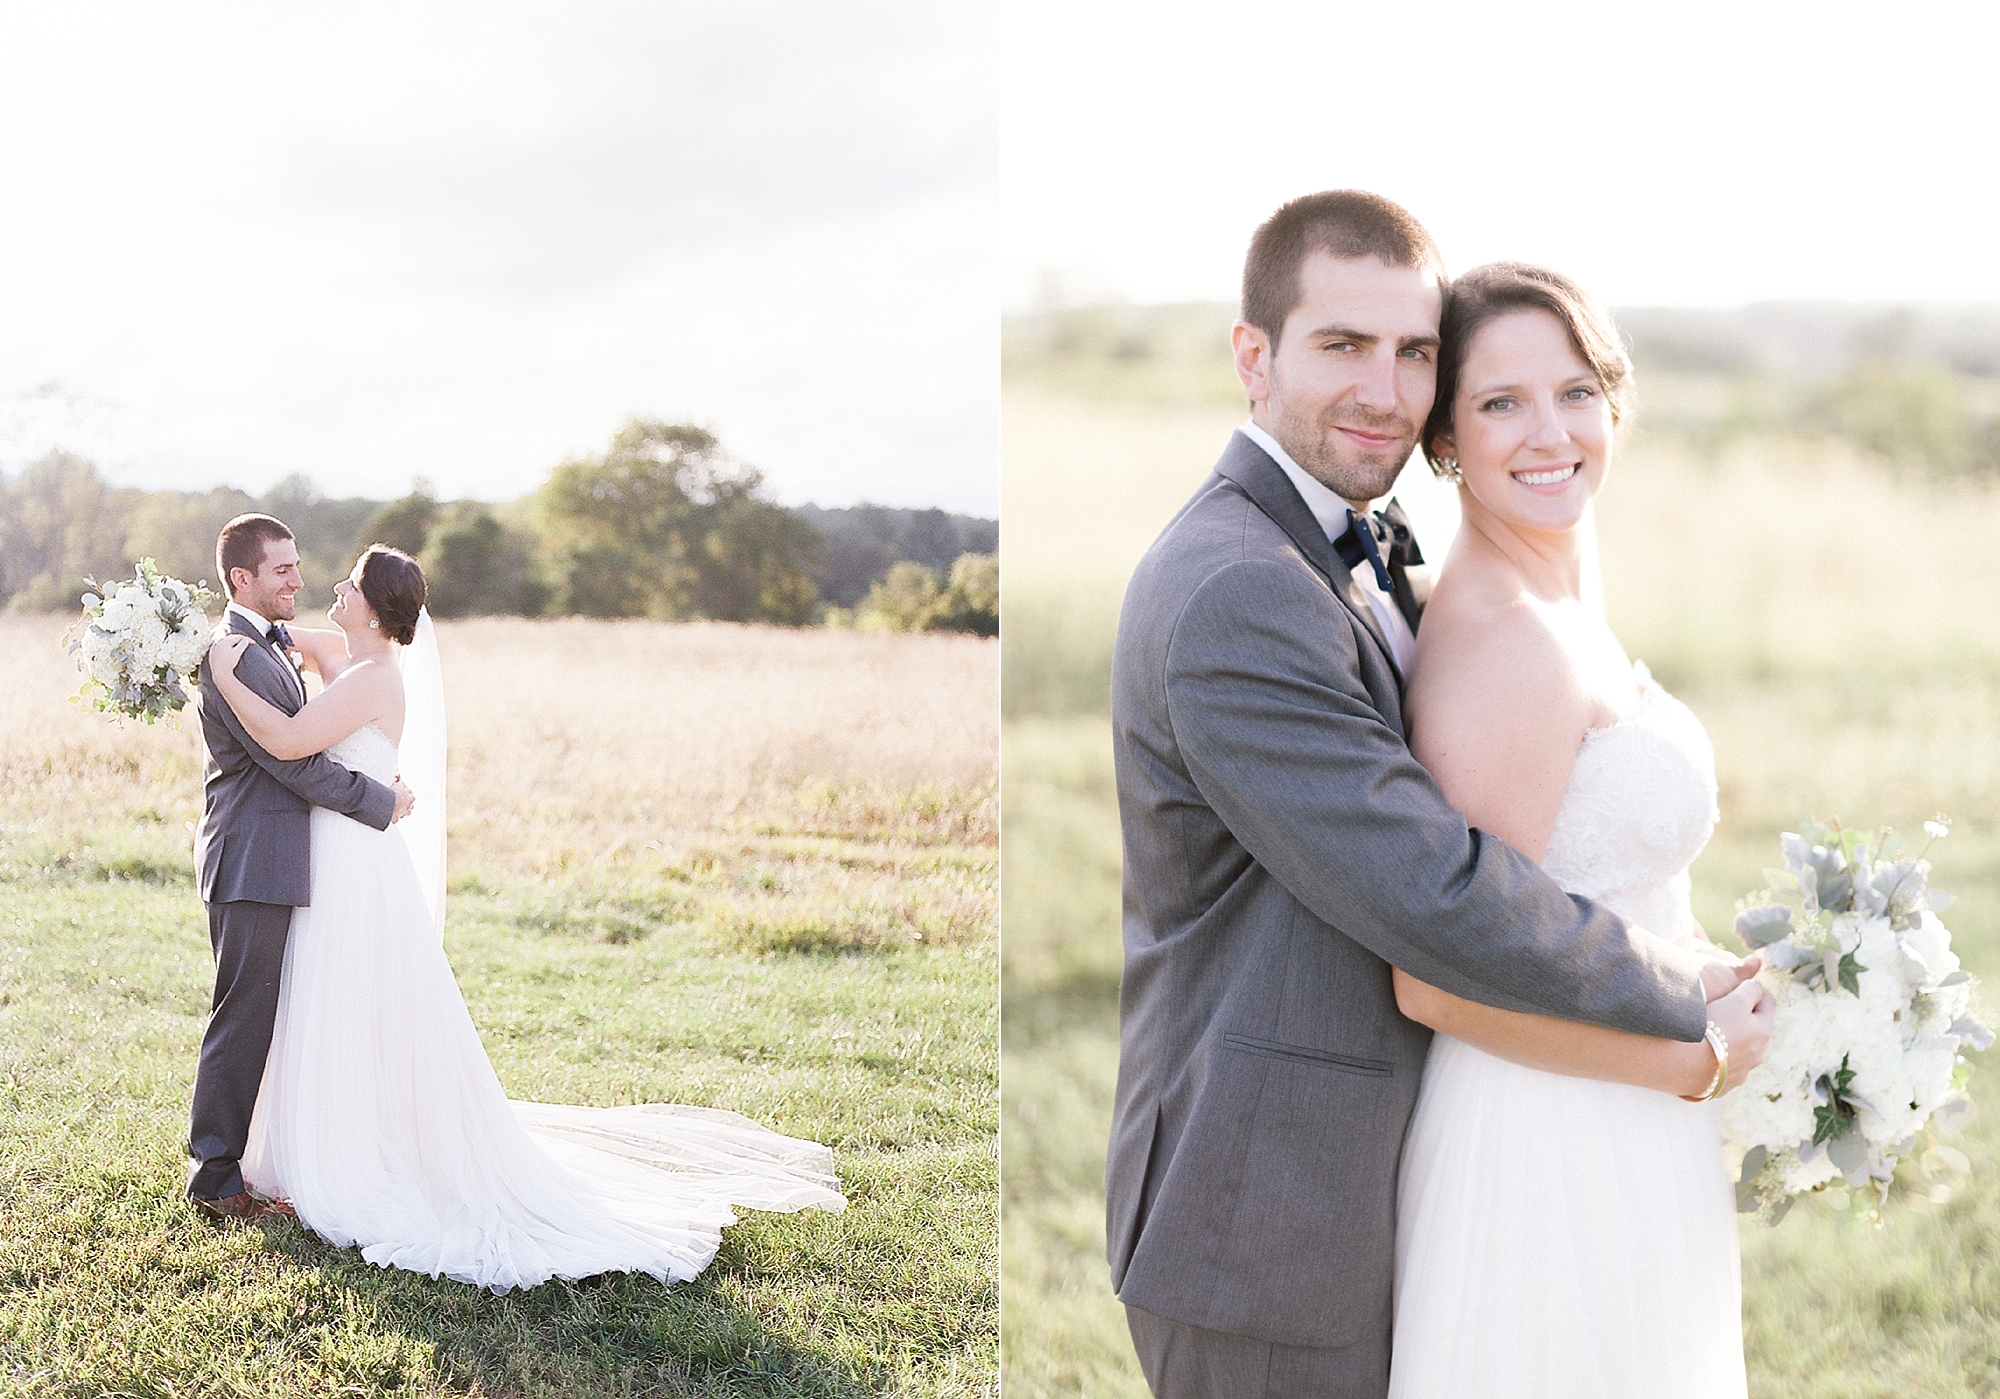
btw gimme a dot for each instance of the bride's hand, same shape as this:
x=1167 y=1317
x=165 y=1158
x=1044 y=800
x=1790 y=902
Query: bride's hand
x=224 y=654
x=1744 y=1016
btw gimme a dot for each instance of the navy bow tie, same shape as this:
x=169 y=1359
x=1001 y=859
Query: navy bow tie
x=1381 y=539
x=280 y=638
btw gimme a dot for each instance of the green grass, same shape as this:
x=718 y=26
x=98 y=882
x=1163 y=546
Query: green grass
x=679 y=983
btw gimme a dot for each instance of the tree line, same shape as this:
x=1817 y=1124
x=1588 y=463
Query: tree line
x=661 y=524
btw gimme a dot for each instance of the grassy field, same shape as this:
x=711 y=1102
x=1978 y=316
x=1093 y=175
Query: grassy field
x=1840 y=635
x=746 y=868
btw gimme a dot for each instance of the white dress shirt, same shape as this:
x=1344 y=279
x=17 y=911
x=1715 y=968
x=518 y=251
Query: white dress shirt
x=1331 y=512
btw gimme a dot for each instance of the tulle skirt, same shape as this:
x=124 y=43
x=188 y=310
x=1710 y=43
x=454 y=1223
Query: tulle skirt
x=381 y=1119
x=1562 y=1237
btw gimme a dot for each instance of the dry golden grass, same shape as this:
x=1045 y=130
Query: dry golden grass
x=785 y=788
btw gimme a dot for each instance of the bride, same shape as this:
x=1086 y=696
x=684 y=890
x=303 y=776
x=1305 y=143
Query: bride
x=379 y=1118
x=1565 y=1226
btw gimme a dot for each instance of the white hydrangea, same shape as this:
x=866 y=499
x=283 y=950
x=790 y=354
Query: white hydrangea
x=1854 y=992
x=139 y=638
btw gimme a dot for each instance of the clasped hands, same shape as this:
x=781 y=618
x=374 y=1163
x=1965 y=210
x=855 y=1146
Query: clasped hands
x=1738 y=1005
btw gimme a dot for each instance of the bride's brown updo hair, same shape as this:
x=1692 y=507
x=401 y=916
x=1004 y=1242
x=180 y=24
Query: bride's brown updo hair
x=1498 y=289
x=394 y=587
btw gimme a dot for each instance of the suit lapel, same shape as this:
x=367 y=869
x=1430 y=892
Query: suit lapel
x=1247 y=464
x=294 y=686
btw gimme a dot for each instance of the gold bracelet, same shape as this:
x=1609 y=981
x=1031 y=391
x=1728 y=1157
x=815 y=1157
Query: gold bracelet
x=1718 y=1042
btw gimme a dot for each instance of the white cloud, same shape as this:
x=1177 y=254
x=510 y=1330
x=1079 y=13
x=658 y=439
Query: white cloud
x=462 y=241
x=1693 y=153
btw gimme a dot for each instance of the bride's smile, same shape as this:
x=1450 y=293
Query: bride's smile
x=1554 y=476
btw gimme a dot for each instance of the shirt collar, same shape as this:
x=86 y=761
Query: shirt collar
x=1329 y=509
x=263 y=625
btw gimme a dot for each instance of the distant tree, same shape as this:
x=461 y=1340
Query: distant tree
x=1913 y=413
x=755 y=561
x=402 y=524
x=862 y=541
x=905 y=600
x=665 y=525
x=63 y=522
x=291 y=498
x=476 y=567
x=324 y=529
x=912 y=598
x=178 y=528
x=971 y=601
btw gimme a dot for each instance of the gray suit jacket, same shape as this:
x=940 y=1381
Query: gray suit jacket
x=253 y=842
x=1282 y=849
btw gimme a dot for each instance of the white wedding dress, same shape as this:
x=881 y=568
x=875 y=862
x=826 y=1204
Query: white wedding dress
x=383 y=1123
x=1562 y=1238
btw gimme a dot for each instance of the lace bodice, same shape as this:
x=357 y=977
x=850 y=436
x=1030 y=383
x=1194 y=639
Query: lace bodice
x=1639 y=807
x=367 y=750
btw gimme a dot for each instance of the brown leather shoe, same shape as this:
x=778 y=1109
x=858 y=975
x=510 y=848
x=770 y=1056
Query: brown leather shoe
x=243 y=1205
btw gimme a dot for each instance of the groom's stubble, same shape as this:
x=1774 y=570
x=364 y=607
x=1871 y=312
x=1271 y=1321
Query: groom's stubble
x=1313 y=442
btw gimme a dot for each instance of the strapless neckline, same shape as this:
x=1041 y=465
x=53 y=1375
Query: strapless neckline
x=1639 y=806
x=367 y=750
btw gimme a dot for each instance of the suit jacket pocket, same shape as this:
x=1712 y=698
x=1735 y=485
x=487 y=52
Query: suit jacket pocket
x=1305 y=1054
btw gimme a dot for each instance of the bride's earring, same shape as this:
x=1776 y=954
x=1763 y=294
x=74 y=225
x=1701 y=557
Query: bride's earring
x=1448 y=469
x=373 y=624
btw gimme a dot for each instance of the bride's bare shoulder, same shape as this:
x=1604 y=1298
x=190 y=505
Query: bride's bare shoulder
x=1496 y=710
x=1482 y=636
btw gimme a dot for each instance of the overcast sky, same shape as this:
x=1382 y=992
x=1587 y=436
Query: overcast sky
x=1685 y=153
x=371 y=242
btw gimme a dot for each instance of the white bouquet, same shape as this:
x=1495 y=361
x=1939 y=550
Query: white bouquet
x=1872 y=1011
x=139 y=636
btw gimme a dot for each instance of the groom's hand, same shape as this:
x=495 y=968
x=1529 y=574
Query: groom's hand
x=406 y=799
x=1722 y=974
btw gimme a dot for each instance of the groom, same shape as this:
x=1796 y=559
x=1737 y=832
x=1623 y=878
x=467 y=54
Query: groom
x=1283 y=849
x=252 y=854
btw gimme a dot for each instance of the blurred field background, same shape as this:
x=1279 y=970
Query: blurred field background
x=1797 y=538
x=745 y=867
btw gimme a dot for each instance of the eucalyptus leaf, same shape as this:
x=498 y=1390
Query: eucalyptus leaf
x=1972 y=1032
x=1849 y=1154
x=1746 y=1182
x=1764 y=924
x=1781 y=1209
x=1785 y=954
x=1953 y=1116
x=1940 y=901
x=1798 y=854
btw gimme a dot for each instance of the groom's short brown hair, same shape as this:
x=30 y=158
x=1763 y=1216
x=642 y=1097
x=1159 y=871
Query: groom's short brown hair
x=241 y=545
x=1343 y=222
